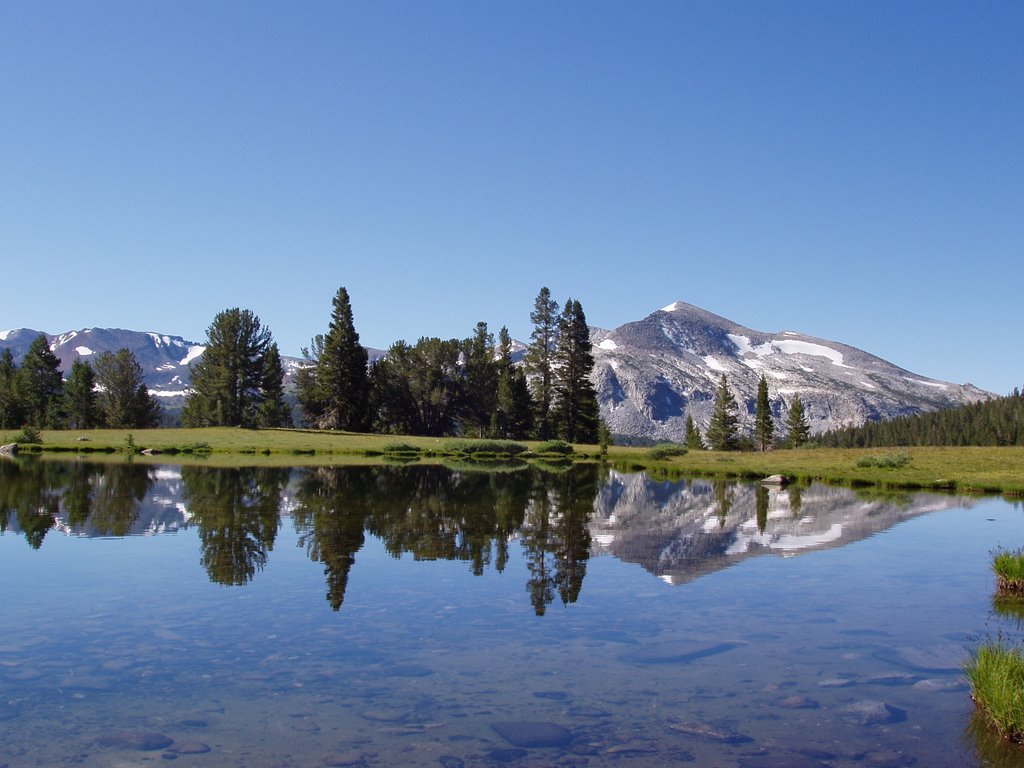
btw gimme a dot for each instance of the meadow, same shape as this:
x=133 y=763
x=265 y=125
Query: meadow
x=953 y=469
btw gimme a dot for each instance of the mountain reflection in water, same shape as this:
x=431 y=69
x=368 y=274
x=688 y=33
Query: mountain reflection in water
x=677 y=530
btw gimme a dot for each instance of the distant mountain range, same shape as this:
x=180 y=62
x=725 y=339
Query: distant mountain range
x=649 y=374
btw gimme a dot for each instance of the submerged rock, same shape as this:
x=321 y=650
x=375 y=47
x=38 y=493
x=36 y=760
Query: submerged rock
x=190 y=748
x=889 y=759
x=871 y=712
x=343 y=759
x=678 y=652
x=799 y=702
x=939 y=685
x=142 y=741
x=532 y=734
x=507 y=755
x=711 y=733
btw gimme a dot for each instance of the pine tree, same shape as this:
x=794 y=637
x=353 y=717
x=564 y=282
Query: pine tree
x=480 y=381
x=764 y=426
x=512 y=415
x=539 y=360
x=334 y=390
x=721 y=434
x=796 y=424
x=693 y=439
x=11 y=408
x=575 y=407
x=123 y=400
x=80 y=404
x=227 y=380
x=273 y=411
x=40 y=384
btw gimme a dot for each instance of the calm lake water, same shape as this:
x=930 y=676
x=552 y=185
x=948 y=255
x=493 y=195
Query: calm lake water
x=430 y=616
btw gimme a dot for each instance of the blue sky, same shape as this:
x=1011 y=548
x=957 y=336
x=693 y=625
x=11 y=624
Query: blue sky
x=854 y=171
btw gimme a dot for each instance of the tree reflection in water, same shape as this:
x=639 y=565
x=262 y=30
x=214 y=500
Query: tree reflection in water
x=237 y=512
x=430 y=512
x=104 y=497
x=435 y=513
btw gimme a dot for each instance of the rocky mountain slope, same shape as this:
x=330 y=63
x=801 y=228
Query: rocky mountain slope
x=651 y=373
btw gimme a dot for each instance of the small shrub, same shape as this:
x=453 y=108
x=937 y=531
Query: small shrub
x=399 y=448
x=996 y=674
x=29 y=435
x=558 y=447
x=199 y=447
x=492 y=447
x=666 y=451
x=884 y=461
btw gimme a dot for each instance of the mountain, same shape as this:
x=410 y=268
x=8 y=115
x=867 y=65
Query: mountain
x=651 y=373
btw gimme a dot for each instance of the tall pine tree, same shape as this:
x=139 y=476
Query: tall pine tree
x=721 y=434
x=11 y=409
x=80 y=407
x=40 y=385
x=539 y=360
x=575 y=403
x=273 y=410
x=693 y=439
x=480 y=382
x=764 y=426
x=124 y=401
x=227 y=380
x=512 y=415
x=796 y=423
x=334 y=390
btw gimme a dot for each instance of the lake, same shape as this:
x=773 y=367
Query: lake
x=446 y=616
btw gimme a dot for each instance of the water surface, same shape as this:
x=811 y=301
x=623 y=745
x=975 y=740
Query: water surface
x=426 y=616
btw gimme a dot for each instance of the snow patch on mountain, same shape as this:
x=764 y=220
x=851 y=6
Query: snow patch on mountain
x=193 y=352
x=84 y=351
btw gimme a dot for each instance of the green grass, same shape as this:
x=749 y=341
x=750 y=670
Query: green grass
x=1009 y=570
x=996 y=674
x=960 y=470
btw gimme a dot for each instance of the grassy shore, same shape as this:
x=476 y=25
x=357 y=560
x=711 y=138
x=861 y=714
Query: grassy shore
x=961 y=470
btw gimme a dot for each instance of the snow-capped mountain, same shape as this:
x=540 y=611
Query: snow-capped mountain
x=651 y=373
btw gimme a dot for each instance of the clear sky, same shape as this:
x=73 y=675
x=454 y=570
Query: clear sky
x=851 y=170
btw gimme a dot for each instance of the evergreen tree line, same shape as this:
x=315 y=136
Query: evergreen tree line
x=435 y=387
x=723 y=428
x=109 y=394
x=999 y=421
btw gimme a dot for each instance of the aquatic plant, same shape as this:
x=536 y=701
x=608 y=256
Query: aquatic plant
x=1009 y=569
x=996 y=674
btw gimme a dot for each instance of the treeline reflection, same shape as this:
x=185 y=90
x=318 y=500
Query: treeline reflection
x=429 y=512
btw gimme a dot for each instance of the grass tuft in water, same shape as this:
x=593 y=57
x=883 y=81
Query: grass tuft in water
x=996 y=674
x=1009 y=569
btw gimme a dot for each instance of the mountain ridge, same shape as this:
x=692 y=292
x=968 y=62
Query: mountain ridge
x=649 y=373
